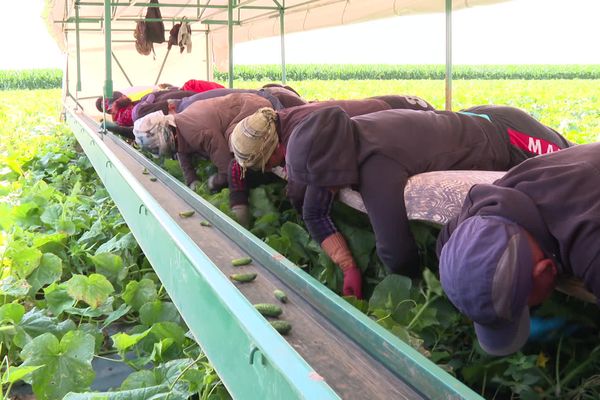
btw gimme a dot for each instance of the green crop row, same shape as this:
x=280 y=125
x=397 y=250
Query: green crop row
x=52 y=78
x=30 y=79
x=302 y=72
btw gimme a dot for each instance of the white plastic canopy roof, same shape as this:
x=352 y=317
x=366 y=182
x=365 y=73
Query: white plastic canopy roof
x=253 y=19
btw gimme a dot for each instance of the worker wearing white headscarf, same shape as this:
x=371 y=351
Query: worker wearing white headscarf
x=154 y=133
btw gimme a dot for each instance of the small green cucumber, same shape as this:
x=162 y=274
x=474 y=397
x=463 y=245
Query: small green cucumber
x=268 y=309
x=205 y=223
x=280 y=295
x=282 y=327
x=238 y=262
x=243 y=277
x=153 y=179
x=186 y=214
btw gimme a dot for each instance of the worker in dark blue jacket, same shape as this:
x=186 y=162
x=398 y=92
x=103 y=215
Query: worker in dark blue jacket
x=503 y=252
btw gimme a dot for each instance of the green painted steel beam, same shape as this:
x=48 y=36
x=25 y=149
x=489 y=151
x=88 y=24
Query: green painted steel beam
x=251 y=358
x=257 y=8
x=118 y=4
x=89 y=20
x=219 y=22
x=119 y=64
x=118 y=30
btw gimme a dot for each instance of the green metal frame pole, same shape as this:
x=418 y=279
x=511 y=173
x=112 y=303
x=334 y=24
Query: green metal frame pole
x=230 y=5
x=78 y=49
x=121 y=67
x=282 y=36
x=449 y=55
x=108 y=84
x=208 y=59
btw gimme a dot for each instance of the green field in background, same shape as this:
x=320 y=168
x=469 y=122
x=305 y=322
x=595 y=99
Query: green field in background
x=572 y=107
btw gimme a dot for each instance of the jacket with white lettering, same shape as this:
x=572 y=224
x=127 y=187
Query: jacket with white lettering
x=555 y=198
x=527 y=136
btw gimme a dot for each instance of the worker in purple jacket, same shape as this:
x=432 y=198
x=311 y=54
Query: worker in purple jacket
x=377 y=153
x=249 y=140
x=503 y=252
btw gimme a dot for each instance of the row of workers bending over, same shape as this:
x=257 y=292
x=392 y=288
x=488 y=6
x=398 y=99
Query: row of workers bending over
x=498 y=257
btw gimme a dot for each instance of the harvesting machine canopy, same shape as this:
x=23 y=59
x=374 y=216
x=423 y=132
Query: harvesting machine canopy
x=252 y=19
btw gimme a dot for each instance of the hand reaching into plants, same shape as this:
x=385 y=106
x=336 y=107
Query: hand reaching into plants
x=337 y=249
x=194 y=185
x=242 y=214
x=216 y=182
x=352 y=282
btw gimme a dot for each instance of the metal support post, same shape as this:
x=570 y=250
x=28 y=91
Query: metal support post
x=282 y=37
x=108 y=84
x=78 y=49
x=230 y=4
x=449 y=55
x=121 y=68
x=107 y=50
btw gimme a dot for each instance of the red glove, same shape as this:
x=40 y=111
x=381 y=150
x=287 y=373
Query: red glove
x=352 y=283
x=337 y=249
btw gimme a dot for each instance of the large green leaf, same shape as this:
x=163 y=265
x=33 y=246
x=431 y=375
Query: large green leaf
x=266 y=225
x=123 y=341
x=159 y=311
x=260 y=204
x=392 y=295
x=278 y=243
x=35 y=323
x=118 y=243
x=11 y=313
x=51 y=215
x=49 y=242
x=95 y=234
x=105 y=308
x=433 y=283
x=116 y=314
x=169 y=330
x=13 y=374
x=67 y=365
x=138 y=293
x=57 y=298
x=24 y=259
x=93 y=289
x=140 y=379
x=111 y=266
x=12 y=286
x=49 y=271
x=161 y=392
x=299 y=239
x=7 y=217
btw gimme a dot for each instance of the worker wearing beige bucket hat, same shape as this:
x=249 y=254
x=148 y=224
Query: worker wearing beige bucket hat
x=254 y=139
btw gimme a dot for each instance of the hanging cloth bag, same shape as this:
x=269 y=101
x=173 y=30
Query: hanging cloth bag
x=155 y=30
x=147 y=33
